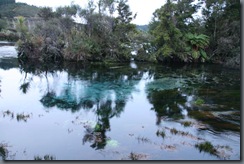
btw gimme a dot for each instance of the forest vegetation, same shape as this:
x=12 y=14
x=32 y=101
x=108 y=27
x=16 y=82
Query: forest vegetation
x=185 y=31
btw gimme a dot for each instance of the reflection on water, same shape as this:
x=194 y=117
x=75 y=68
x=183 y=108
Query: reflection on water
x=125 y=111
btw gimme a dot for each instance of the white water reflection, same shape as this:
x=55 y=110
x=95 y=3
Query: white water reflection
x=7 y=51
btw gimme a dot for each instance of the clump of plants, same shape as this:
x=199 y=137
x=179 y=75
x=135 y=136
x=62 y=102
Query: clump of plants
x=46 y=158
x=8 y=113
x=3 y=151
x=186 y=123
x=22 y=117
x=9 y=36
x=174 y=131
x=135 y=156
x=206 y=147
x=144 y=139
x=160 y=133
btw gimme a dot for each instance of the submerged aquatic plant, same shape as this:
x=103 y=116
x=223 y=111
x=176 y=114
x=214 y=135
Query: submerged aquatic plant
x=199 y=101
x=206 y=147
x=165 y=83
x=160 y=133
x=112 y=143
x=3 y=151
x=174 y=131
x=135 y=156
x=186 y=123
x=143 y=139
x=23 y=117
x=46 y=158
x=8 y=113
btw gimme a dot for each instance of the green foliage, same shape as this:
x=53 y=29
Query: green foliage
x=174 y=131
x=102 y=38
x=160 y=133
x=206 y=147
x=187 y=123
x=18 y=9
x=168 y=37
x=222 y=24
x=199 y=101
x=82 y=48
x=3 y=24
x=67 y=11
x=46 y=13
x=46 y=158
x=4 y=2
x=21 y=28
x=44 y=42
x=198 y=43
x=179 y=36
x=3 y=151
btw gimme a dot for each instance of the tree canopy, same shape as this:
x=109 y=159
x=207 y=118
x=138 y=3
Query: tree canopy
x=180 y=31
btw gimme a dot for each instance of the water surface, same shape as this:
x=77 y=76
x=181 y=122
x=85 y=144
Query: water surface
x=127 y=111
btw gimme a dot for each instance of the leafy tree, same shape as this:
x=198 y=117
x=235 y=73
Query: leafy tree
x=68 y=11
x=18 y=9
x=175 y=38
x=46 y=13
x=168 y=38
x=222 y=23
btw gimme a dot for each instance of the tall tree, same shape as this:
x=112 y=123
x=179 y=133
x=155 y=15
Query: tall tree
x=222 y=23
x=46 y=13
x=172 y=25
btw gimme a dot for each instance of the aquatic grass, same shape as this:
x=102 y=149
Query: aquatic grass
x=143 y=139
x=160 y=133
x=3 y=151
x=174 y=131
x=182 y=133
x=22 y=117
x=168 y=147
x=19 y=117
x=206 y=147
x=213 y=121
x=8 y=113
x=186 y=123
x=135 y=156
x=46 y=158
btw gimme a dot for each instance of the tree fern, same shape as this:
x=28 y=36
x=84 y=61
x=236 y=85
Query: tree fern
x=198 y=43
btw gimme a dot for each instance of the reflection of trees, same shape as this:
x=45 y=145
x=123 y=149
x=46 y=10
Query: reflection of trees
x=34 y=68
x=8 y=63
x=106 y=89
x=219 y=89
x=98 y=88
x=97 y=135
x=166 y=103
